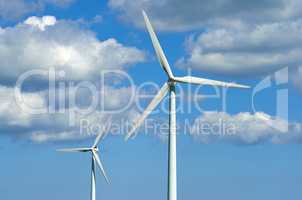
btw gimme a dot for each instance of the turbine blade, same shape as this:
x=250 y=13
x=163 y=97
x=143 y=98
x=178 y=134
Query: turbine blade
x=71 y=150
x=203 y=81
x=159 y=51
x=99 y=138
x=102 y=134
x=155 y=101
x=99 y=163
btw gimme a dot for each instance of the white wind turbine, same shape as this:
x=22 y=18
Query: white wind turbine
x=169 y=86
x=95 y=159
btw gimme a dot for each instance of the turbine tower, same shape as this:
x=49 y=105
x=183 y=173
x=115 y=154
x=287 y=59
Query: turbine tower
x=95 y=160
x=169 y=86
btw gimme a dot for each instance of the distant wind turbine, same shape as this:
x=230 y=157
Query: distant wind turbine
x=95 y=159
x=169 y=86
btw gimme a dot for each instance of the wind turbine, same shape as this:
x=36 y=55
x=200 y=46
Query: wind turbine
x=169 y=86
x=95 y=159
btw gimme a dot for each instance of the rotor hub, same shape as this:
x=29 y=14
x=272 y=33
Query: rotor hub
x=171 y=82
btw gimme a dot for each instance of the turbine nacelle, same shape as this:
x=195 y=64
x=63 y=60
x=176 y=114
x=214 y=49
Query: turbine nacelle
x=171 y=82
x=95 y=149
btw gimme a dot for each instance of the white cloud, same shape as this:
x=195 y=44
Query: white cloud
x=15 y=9
x=245 y=128
x=49 y=126
x=42 y=22
x=246 y=50
x=42 y=136
x=238 y=37
x=194 y=14
x=42 y=43
x=10 y=114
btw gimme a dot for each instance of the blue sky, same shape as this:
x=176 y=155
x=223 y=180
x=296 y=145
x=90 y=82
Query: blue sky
x=231 y=41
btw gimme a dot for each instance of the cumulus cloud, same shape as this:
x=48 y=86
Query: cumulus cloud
x=246 y=50
x=10 y=114
x=46 y=43
x=18 y=114
x=62 y=124
x=193 y=14
x=245 y=128
x=43 y=43
x=236 y=37
x=41 y=22
x=14 y=9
